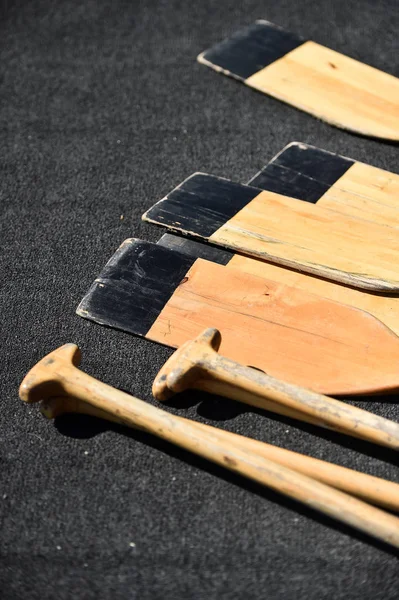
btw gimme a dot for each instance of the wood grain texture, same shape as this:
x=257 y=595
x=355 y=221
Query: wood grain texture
x=332 y=181
x=337 y=89
x=384 y=308
x=288 y=333
x=332 y=87
x=314 y=240
x=366 y=192
x=278 y=229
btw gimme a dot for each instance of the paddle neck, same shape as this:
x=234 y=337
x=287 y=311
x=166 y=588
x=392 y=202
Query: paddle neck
x=251 y=386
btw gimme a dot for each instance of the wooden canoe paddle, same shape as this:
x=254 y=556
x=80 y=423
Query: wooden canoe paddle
x=332 y=181
x=279 y=229
x=328 y=85
x=385 y=308
x=57 y=375
x=367 y=487
x=168 y=297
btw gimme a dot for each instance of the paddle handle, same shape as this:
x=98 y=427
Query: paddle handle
x=56 y=375
x=254 y=387
x=370 y=489
x=206 y=444
x=221 y=388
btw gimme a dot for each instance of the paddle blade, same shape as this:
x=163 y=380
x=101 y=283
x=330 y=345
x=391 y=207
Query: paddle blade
x=134 y=286
x=170 y=298
x=324 y=83
x=384 y=308
x=278 y=229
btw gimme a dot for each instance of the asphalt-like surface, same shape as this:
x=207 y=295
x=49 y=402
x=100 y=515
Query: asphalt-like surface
x=103 y=110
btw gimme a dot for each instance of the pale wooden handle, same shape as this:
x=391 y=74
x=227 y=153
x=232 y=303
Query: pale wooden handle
x=239 y=395
x=371 y=489
x=253 y=387
x=52 y=376
x=205 y=443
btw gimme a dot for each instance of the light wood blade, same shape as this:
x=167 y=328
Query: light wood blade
x=279 y=229
x=293 y=335
x=329 y=85
x=384 y=308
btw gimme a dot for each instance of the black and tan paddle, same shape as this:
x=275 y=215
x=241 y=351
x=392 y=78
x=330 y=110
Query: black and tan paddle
x=332 y=181
x=278 y=229
x=170 y=297
x=329 y=85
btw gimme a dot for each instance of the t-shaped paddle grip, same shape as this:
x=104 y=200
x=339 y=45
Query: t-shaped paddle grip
x=45 y=379
x=186 y=365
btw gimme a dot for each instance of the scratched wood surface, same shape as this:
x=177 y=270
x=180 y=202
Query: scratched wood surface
x=384 y=308
x=333 y=181
x=293 y=335
x=290 y=334
x=367 y=193
x=329 y=85
x=279 y=229
x=319 y=242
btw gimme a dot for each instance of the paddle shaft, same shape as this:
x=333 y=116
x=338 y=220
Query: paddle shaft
x=54 y=376
x=197 y=364
x=232 y=380
x=370 y=489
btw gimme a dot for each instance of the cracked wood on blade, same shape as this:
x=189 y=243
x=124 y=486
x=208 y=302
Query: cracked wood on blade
x=329 y=85
x=332 y=181
x=279 y=229
x=170 y=298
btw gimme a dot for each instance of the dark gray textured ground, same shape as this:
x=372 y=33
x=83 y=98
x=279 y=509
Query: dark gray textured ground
x=103 y=110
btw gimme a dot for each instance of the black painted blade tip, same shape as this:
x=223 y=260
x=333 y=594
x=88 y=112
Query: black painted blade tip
x=201 y=205
x=195 y=249
x=82 y=309
x=149 y=215
x=250 y=49
x=302 y=171
x=134 y=286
